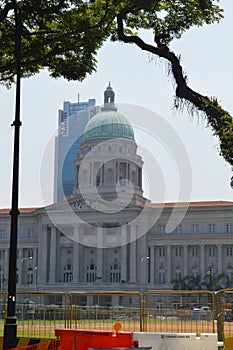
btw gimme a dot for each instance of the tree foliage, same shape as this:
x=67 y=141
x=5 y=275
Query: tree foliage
x=64 y=36
x=198 y=282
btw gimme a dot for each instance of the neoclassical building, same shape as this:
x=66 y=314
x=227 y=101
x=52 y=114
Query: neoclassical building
x=107 y=236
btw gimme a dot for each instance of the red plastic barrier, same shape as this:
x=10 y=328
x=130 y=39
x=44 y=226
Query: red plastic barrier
x=83 y=339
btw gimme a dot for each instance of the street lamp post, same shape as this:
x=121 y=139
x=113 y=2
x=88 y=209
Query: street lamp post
x=10 y=326
x=35 y=273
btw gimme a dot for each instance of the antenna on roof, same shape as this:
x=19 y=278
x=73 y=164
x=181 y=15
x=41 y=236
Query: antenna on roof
x=78 y=97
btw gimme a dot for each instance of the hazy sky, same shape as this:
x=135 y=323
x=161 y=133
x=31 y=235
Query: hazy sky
x=137 y=80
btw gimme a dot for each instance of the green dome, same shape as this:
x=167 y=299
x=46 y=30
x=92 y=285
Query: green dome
x=107 y=124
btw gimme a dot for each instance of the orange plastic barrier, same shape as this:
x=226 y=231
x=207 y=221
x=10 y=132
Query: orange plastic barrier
x=73 y=339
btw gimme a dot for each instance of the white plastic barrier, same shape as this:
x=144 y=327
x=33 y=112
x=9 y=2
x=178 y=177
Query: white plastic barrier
x=176 y=341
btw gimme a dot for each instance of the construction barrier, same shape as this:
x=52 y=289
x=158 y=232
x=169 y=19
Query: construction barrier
x=176 y=341
x=85 y=339
x=45 y=345
x=25 y=341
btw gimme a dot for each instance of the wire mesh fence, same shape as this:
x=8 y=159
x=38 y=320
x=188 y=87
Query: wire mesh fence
x=105 y=309
x=225 y=314
x=179 y=311
x=40 y=313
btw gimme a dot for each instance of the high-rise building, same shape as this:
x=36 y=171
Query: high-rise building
x=72 y=120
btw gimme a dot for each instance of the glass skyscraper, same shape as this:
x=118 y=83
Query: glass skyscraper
x=72 y=120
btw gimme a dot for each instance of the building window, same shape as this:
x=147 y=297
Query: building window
x=115 y=264
x=179 y=251
x=30 y=232
x=195 y=228
x=68 y=267
x=212 y=251
x=115 y=277
x=29 y=279
x=195 y=271
x=161 y=229
x=28 y=253
x=178 y=272
x=162 y=251
x=2 y=233
x=211 y=228
x=195 y=251
x=162 y=278
x=179 y=229
x=162 y=275
x=229 y=251
x=229 y=228
x=68 y=277
x=91 y=277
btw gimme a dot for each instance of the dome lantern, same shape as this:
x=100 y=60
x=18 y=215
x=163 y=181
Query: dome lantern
x=109 y=97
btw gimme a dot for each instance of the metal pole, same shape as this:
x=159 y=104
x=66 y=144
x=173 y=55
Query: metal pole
x=10 y=326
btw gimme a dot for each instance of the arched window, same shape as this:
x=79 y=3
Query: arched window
x=162 y=275
x=195 y=270
x=178 y=271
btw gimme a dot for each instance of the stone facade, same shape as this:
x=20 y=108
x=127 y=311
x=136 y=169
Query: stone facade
x=86 y=250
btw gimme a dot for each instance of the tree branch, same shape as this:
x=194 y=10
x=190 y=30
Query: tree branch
x=219 y=119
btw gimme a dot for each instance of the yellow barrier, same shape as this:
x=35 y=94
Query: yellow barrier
x=39 y=313
x=179 y=311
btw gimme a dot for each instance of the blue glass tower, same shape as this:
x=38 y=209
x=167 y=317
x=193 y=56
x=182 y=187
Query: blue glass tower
x=72 y=120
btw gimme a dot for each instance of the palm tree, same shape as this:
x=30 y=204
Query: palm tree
x=229 y=282
x=180 y=283
x=212 y=282
x=195 y=282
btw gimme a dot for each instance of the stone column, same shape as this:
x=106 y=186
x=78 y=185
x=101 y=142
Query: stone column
x=76 y=254
x=185 y=263
x=76 y=262
x=219 y=259
x=202 y=260
x=53 y=248
x=42 y=258
x=35 y=257
x=6 y=264
x=116 y=172
x=152 y=264
x=99 y=252
x=133 y=253
x=20 y=267
x=168 y=264
x=90 y=173
x=124 y=253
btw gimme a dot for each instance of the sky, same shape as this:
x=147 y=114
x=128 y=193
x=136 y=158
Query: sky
x=142 y=87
